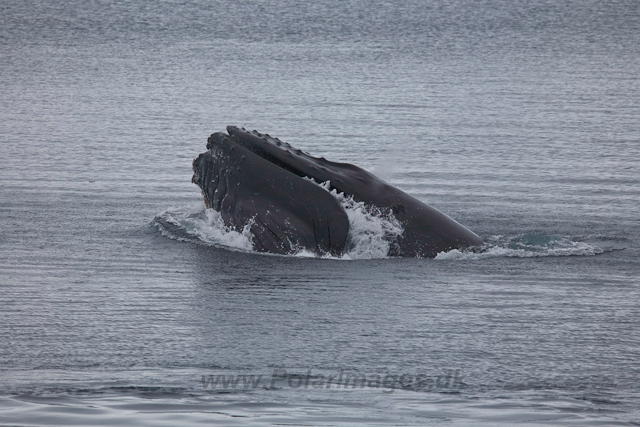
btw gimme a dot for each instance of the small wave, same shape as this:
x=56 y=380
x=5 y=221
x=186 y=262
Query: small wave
x=530 y=246
x=196 y=224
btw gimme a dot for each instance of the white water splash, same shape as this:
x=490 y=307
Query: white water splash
x=371 y=232
x=194 y=223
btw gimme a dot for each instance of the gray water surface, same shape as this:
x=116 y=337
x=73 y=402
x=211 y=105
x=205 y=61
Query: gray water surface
x=119 y=293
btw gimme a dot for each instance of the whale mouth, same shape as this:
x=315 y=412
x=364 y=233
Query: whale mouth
x=251 y=178
x=244 y=172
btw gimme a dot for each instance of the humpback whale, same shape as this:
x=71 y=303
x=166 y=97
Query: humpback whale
x=257 y=180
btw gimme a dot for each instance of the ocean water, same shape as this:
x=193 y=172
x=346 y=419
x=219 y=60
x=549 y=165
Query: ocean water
x=123 y=301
